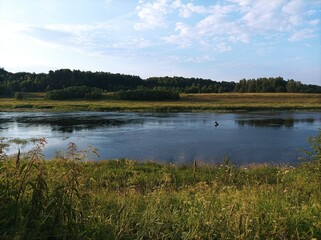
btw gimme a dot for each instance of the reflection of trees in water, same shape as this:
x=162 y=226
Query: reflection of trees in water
x=71 y=124
x=4 y=122
x=273 y=122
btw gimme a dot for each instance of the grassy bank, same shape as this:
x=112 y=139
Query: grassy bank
x=67 y=198
x=188 y=102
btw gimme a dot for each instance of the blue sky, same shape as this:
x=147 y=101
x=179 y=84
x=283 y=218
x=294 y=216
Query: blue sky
x=223 y=40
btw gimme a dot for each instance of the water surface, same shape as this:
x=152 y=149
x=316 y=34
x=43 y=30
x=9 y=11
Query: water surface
x=255 y=137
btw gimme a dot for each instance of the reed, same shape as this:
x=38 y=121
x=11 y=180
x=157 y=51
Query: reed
x=70 y=198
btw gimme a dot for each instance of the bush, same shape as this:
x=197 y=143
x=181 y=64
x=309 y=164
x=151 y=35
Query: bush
x=313 y=156
x=80 y=92
x=147 y=95
x=19 y=96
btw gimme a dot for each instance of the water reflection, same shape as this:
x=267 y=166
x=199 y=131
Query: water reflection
x=273 y=122
x=70 y=122
x=253 y=137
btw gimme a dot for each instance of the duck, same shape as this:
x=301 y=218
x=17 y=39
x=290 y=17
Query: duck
x=215 y=124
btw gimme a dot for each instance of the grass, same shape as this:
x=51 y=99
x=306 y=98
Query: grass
x=68 y=198
x=188 y=102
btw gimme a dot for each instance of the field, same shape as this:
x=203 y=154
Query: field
x=68 y=198
x=188 y=102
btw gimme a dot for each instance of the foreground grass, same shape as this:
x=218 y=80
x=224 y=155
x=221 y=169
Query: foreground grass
x=188 y=102
x=67 y=198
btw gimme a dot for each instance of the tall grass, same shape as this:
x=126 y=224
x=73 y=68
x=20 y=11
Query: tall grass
x=68 y=198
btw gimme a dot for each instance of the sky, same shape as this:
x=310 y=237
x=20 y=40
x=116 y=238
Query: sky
x=222 y=40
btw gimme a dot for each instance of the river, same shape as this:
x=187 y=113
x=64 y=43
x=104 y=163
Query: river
x=249 y=137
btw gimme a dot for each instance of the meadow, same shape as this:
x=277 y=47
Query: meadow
x=71 y=197
x=187 y=103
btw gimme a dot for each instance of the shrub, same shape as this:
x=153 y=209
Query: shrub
x=313 y=157
x=80 y=92
x=19 y=96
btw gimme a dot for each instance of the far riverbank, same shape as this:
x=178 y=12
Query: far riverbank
x=223 y=102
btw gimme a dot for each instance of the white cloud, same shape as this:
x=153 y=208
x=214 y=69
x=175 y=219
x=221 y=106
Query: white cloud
x=293 y=10
x=242 y=2
x=184 y=36
x=152 y=14
x=218 y=24
x=263 y=16
x=314 y=22
x=242 y=20
x=186 y=10
x=293 y=7
x=81 y=36
x=302 y=34
x=212 y=29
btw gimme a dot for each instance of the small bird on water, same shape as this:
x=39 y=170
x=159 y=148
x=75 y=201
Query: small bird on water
x=215 y=124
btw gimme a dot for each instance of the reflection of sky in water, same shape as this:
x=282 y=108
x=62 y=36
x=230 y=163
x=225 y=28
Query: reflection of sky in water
x=174 y=137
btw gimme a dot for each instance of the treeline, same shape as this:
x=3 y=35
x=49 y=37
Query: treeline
x=63 y=78
x=189 y=85
x=275 y=85
x=110 y=82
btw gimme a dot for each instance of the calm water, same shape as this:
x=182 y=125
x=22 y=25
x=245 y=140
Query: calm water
x=256 y=137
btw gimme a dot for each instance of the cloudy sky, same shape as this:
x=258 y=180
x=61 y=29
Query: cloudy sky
x=223 y=40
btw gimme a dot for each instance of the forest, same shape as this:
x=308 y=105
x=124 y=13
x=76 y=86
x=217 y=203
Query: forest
x=114 y=82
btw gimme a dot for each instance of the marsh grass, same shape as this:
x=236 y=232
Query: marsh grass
x=188 y=102
x=69 y=198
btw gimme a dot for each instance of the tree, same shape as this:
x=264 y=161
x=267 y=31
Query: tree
x=79 y=92
x=293 y=86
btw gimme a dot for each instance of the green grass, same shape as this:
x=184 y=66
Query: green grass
x=188 y=102
x=68 y=198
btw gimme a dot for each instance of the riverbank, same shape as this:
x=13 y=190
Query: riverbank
x=124 y=199
x=188 y=103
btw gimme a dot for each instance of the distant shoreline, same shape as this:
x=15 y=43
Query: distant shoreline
x=211 y=102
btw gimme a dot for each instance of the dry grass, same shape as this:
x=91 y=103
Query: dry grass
x=188 y=102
